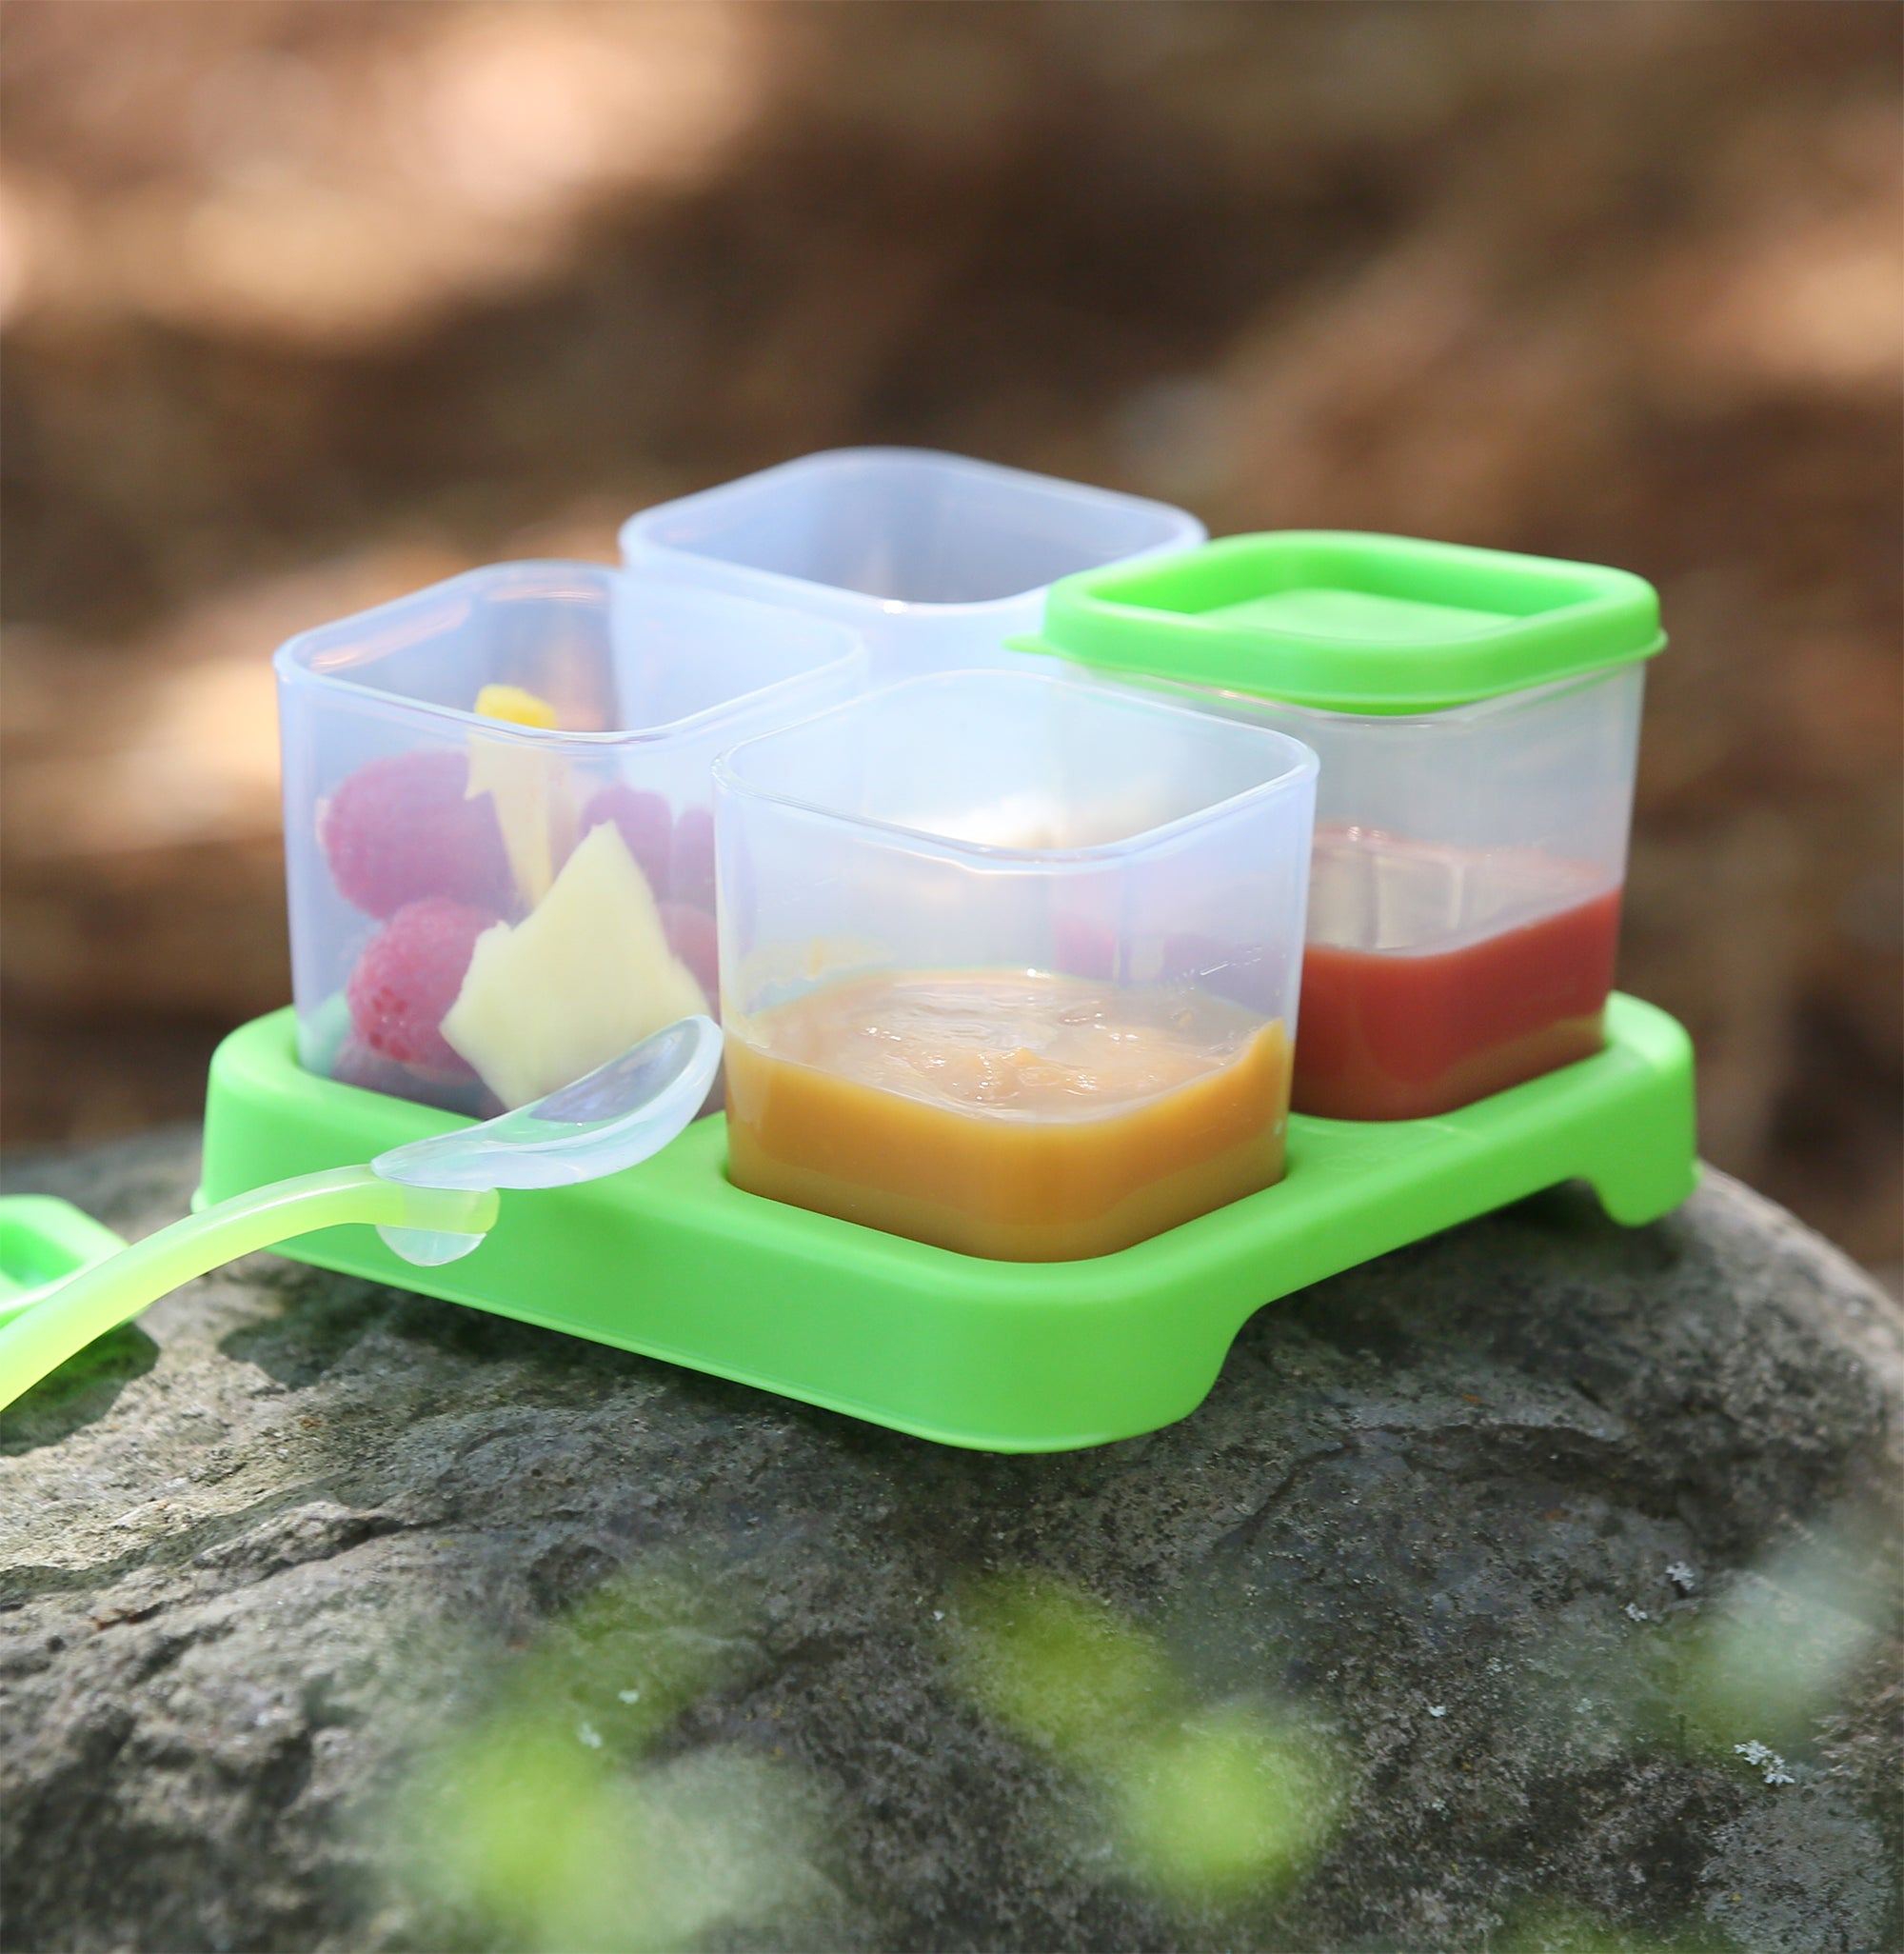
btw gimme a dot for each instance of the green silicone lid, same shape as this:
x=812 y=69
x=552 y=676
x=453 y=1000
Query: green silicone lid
x=1352 y=623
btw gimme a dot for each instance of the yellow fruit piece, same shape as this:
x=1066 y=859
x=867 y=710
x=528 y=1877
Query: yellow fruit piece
x=524 y=783
x=513 y=703
x=588 y=975
x=522 y=780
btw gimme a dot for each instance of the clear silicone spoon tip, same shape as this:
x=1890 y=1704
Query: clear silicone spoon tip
x=612 y=1118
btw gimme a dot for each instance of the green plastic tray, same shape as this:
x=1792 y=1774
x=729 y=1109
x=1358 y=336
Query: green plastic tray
x=671 y=1259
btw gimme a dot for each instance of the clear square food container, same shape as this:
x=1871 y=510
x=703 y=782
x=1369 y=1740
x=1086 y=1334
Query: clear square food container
x=1476 y=716
x=936 y=559
x=499 y=829
x=1009 y=965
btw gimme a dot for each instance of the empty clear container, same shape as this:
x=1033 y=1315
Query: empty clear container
x=1010 y=965
x=935 y=558
x=499 y=828
x=1476 y=716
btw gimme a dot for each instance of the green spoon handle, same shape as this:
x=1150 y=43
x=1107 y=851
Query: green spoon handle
x=98 y=1298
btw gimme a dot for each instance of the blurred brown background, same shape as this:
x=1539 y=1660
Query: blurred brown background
x=309 y=302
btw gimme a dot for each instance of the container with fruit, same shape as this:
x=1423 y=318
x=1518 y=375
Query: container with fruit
x=498 y=819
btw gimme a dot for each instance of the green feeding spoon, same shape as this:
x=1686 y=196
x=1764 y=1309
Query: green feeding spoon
x=431 y=1201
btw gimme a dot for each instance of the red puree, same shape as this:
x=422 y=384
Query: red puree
x=1398 y=1033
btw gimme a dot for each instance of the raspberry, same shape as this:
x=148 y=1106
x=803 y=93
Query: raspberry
x=409 y=977
x=1084 y=948
x=691 y=880
x=357 y=1065
x=647 y=827
x=400 y=828
x=692 y=937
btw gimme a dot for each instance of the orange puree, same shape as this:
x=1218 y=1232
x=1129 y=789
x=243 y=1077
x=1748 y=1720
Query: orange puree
x=1008 y=1114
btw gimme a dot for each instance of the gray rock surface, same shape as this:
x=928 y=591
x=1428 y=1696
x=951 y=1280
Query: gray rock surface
x=338 y=1618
